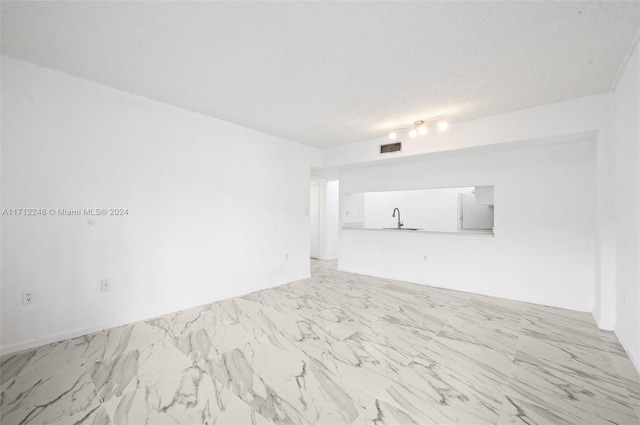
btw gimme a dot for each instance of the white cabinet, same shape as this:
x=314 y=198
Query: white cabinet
x=484 y=195
x=353 y=208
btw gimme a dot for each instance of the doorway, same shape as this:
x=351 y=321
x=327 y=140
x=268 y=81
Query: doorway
x=324 y=219
x=314 y=232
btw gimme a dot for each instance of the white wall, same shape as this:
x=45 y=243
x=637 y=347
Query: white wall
x=586 y=114
x=213 y=207
x=627 y=195
x=604 y=309
x=543 y=250
x=590 y=116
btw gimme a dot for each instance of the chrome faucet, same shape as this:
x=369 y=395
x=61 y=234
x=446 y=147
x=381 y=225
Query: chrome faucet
x=400 y=224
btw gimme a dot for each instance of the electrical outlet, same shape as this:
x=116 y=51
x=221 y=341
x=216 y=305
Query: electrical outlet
x=105 y=285
x=286 y=256
x=425 y=257
x=626 y=300
x=27 y=297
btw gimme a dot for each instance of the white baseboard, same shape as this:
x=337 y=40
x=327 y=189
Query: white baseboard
x=37 y=342
x=74 y=333
x=542 y=301
x=634 y=360
x=606 y=325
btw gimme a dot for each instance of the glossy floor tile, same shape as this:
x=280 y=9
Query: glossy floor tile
x=337 y=348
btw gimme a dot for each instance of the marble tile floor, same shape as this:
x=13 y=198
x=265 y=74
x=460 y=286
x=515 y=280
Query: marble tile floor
x=337 y=348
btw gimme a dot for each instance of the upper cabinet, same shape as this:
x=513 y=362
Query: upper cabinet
x=484 y=195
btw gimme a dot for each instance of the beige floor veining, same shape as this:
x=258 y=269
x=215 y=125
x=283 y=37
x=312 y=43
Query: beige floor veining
x=337 y=348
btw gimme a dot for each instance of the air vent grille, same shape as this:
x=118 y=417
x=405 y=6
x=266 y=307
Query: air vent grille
x=391 y=147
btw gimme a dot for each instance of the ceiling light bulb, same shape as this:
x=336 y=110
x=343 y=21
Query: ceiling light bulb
x=422 y=130
x=443 y=125
x=413 y=133
x=393 y=135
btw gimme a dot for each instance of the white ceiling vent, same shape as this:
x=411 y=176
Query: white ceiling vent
x=391 y=147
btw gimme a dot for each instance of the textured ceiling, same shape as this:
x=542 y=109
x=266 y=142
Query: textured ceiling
x=329 y=73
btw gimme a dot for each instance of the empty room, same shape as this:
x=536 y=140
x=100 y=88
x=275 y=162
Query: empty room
x=324 y=212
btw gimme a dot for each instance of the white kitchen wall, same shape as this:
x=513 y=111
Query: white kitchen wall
x=627 y=196
x=214 y=208
x=543 y=249
x=434 y=209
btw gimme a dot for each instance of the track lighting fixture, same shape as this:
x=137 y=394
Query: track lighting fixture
x=419 y=128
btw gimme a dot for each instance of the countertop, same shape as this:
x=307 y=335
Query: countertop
x=472 y=233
